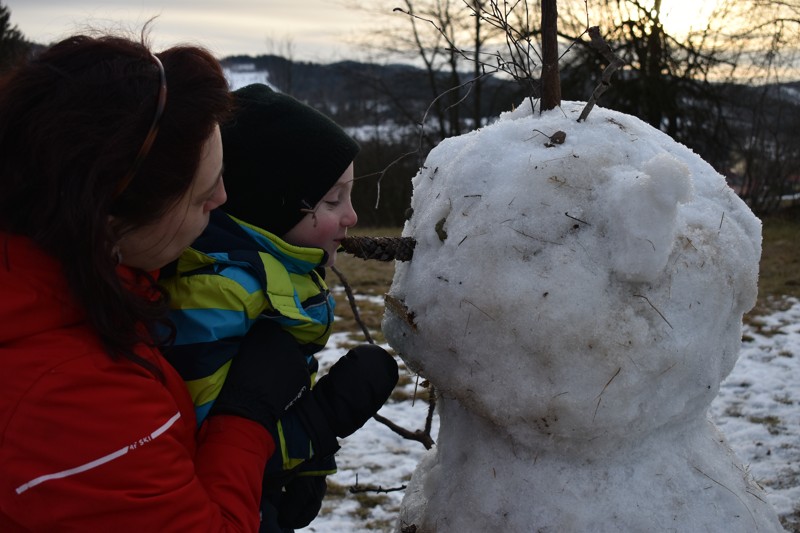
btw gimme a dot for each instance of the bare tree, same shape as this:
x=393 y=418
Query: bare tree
x=767 y=37
x=281 y=75
x=443 y=39
x=685 y=84
x=765 y=155
x=435 y=29
x=13 y=45
x=713 y=89
x=664 y=75
x=551 y=82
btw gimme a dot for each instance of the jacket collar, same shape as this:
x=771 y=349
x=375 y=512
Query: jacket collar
x=233 y=237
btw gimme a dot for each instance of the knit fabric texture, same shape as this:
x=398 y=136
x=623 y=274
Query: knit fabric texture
x=281 y=158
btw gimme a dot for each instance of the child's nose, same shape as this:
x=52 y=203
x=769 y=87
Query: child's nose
x=350 y=217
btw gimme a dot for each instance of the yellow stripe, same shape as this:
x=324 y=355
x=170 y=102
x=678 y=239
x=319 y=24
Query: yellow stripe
x=205 y=389
x=212 y=291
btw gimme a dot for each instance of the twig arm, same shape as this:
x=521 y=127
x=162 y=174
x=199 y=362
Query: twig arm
x=614 y=63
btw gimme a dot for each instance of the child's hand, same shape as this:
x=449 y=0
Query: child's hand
x=301 y=501
x=266 y=377
x=352 y=391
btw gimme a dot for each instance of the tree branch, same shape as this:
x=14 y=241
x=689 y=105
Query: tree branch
x=605 y=81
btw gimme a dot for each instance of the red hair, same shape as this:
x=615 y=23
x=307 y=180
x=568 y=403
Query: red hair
x=72 y=121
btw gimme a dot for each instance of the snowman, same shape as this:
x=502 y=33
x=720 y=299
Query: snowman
x=576 y=296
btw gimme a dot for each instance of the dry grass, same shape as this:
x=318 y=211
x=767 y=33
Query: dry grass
x=780 y=259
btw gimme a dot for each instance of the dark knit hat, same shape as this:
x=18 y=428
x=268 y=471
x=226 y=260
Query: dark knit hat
x=281 y=156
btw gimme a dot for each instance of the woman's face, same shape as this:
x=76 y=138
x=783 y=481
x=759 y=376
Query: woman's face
x=327 y=225
x=154 y=246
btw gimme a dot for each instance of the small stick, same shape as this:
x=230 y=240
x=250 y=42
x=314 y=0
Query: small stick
x=605 y=82
x=600 y=396
x=353 y=306
x=418 y=435
x=654 y=309
x=355 y=489
x=577 y=219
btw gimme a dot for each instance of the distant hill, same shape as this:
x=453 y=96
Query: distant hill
x=354 y=92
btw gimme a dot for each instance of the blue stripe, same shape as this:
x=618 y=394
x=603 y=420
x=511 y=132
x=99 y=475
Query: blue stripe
x=286 y=322
x=321 y=313
x=207 y=325
x=239 y=271
x=201 y=411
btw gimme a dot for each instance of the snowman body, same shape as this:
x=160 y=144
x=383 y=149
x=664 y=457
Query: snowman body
x=576 y=305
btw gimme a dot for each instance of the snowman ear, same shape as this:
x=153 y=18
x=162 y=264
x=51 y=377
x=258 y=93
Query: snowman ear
x=643 y=215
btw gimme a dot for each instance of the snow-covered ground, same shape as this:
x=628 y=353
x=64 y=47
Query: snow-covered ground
x=758 y=406
x=245 y=75
x=758 y=409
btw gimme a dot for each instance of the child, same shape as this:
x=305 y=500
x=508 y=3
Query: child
x=288 y=174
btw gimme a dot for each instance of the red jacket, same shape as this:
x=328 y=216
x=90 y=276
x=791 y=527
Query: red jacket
x=90 y=444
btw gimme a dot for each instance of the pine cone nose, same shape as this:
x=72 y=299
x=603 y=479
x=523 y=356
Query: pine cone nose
x=380 y=248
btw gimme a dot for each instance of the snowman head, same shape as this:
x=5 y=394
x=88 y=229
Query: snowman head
x=579 y=290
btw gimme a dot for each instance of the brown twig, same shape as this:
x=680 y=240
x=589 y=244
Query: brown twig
x=654 y=308
x=419 y=435
x=576 y=219
x=352 y=300
x=398 y=307
x=355 y=489
x=431 y=411
x=614 y=63
x=729 y=490
x=600 y=396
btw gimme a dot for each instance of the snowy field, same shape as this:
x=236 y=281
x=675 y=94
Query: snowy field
x=758 y=409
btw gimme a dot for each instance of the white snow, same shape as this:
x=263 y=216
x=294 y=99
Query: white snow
x=758 y=406
x=577 y=304
x=242 y=76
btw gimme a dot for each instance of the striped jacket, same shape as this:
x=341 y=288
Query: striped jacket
x=233 y=275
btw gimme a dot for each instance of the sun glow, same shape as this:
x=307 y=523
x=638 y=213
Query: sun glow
x=680 y=17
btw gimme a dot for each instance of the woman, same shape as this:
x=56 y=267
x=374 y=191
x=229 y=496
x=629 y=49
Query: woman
x=110 y=162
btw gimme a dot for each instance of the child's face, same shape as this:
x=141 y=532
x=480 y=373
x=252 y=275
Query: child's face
x=327 y=225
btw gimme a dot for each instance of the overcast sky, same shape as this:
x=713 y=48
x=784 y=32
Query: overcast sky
x=318 y=30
